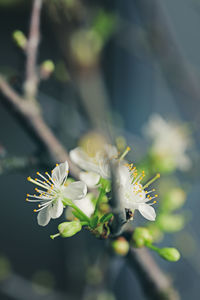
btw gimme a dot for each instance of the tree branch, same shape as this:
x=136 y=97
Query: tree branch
x=28 y=112
x=31 y=82
x=156 y=285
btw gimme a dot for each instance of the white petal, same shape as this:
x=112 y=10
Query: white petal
x=147 y=211
x=60 y=173
x=75 y=190
x=80 y=158
x=111 y=151
x=86 y=205
x=44 y=216
x=57 y=209
x=90 y=178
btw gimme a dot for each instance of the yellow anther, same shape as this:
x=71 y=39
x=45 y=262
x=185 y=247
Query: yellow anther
x=27 y=195
x=37 y=173
x=35 y=179
x=26 y=199
x=28 y=178
x=57 y=165
x=128 y=148
x=156 y=195
x=39 y=205
x=35 y=210
x=154 y=202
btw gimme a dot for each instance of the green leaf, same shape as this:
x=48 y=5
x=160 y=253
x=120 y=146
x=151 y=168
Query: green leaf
x=106 y=217
x=94 y=221
x=68 y=229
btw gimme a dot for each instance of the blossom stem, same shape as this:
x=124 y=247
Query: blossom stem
x=150 y=246
x=81 y=213
x=54 y=236
x=84 y=223
x=101 y=194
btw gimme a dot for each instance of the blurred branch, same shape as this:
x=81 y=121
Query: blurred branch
x=18 y=288
x=14 y=163
x=31 y=82
x=28 y=112
x=156 y=285
x=176 y=70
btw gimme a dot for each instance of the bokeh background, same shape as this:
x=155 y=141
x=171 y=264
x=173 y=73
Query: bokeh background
x=145 y=60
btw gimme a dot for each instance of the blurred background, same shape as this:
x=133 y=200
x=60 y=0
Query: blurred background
x=133 y=62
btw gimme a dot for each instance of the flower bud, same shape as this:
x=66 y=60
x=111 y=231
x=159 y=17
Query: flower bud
x=46 y=69
x=141 y=236
x=20 y=39
x=170 y=254
x=68 y=229
x=120 y=246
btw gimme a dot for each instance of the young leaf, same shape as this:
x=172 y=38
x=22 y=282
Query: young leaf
x=94 y=221
x=68 y=229
x=78 y=215
x=106 y=217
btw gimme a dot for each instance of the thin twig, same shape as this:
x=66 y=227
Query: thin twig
x=28 y=113
x=31 y=81
x=156 y=285
x=15 y=163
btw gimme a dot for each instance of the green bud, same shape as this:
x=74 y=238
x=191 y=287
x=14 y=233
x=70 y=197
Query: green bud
x=46 y=68
x=20 y=39
x=141 y=236
x=120 y=246
x=171 y=223
x=68 y=229
x=170 y=254
x=174 y=199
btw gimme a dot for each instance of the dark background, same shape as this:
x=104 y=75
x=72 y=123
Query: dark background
x=136 y=88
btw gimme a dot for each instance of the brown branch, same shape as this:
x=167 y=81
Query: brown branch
x=31 y=82
x=156 y=285
x=28 y=112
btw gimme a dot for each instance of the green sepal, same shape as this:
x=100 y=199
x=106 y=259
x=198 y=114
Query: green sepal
x=94 y=221
x=106 y=217
x=68 y=229
x=78 y=215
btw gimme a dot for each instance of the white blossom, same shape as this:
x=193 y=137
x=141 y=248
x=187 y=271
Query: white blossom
x=132 y=193
x=86 y=205
x=96 y=166
x=170 y=141
x=54 y=190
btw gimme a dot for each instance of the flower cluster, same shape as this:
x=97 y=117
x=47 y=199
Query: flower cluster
x=93 y=210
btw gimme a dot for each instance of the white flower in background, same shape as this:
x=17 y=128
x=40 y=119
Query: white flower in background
x=54 y=190
x=96 y=165
x=86 y=205
x=170 y=141
x=132 y=194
